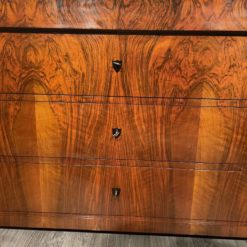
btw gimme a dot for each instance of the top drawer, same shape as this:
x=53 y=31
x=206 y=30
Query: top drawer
x=123 y=14
x=152 y=66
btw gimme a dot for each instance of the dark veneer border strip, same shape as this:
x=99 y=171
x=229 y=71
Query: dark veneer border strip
x=120 y=32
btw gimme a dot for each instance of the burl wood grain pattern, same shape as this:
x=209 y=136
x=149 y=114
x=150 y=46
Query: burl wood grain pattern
x=153 y=66
x=126 y=15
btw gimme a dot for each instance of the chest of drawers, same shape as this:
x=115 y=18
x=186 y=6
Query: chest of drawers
x=125 y=116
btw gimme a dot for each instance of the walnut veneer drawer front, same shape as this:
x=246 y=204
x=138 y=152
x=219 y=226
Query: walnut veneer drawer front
x=124 y=131
x=152 y=66
x=124 y=191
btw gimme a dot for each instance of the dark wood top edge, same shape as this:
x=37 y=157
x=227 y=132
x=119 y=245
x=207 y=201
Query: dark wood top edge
x=79 y=31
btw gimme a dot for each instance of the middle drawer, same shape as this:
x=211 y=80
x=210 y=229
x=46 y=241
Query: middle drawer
x=124 y=131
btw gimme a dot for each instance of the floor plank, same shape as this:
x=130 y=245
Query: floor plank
x=41 y=238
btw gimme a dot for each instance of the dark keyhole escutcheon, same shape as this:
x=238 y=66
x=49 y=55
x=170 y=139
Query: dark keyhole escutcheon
x=117 y=65
x=116 y=192
x=116 y=132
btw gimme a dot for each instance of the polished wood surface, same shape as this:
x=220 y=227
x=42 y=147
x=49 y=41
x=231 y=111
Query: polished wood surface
x=180 y=160
x=172 y=133
x=147 y=192
x=119 y=116
x=179 y=196
x=126 y=15
x=152 y=66
x=124 y=224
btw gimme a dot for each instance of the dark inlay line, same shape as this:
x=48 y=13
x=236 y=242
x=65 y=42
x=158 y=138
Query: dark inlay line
x=124 y=103
x=121 y=31
x=117 y=96
x=118 y=159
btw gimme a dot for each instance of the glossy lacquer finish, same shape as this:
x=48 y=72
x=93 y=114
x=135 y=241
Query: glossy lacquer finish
x=136 y=133
x=151 y=66
x=145 y=192
x=57 y=172
x=71 y=196
x=126 y=15
x=161 y=132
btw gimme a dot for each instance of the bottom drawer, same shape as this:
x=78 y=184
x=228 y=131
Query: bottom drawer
x=124 y=191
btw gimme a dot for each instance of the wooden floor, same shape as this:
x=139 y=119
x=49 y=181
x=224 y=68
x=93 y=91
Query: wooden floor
x=23 y=238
